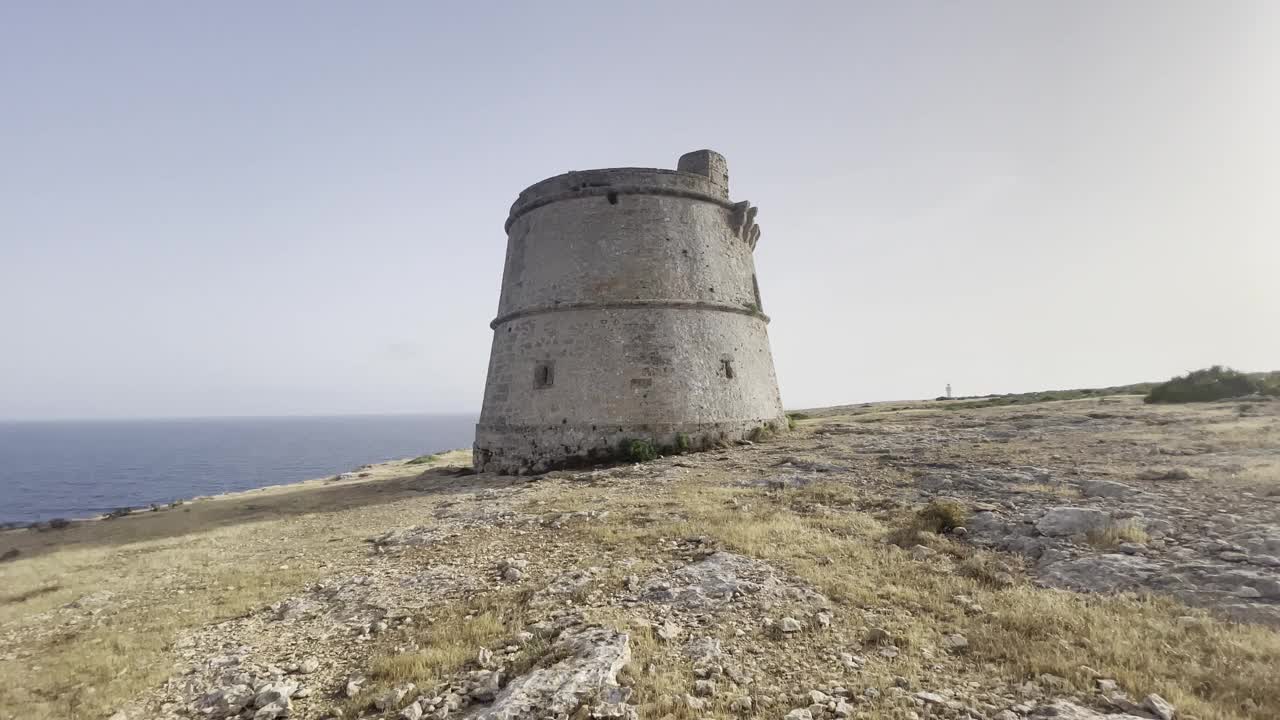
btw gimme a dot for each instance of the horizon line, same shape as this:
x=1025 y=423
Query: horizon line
x=298 y=416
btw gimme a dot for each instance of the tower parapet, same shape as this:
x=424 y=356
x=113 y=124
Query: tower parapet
x=629 y=310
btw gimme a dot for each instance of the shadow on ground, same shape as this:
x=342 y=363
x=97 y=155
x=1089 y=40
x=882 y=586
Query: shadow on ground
x=203 y=515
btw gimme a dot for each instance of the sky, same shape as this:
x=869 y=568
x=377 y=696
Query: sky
x=246 y=208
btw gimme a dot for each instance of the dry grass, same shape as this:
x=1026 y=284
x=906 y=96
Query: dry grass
x=1211 y=669
x=445 y=641
x=1261 y=476
x=167 y=572
x=159 y=587
x=1125 y=531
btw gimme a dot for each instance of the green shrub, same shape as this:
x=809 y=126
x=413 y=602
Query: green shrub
x=1270 y=384
x=1207 y=384
x=640 y=451
x=421 y=460
x=682 y=442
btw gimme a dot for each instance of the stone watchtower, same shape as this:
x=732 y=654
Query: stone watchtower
x=629 y=311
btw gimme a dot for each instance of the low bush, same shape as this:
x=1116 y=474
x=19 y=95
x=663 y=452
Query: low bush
x=942 y=516
x=640 y=451
x=682 y=442
x=1212 y=383
x=939 y=516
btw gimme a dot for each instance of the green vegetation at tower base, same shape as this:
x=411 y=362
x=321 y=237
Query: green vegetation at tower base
x=640 y=451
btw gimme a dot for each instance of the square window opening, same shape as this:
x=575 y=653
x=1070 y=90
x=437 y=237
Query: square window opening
x=544 y=376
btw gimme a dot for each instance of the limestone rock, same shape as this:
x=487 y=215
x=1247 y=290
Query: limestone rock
x=1100 y=573
x=1063 y=521
x=295 y=608
x=565 y=586
x=393 y=697
x=931 y=698
x=725 y=577
x=273 y=710
x=483 y=685
x=703 y=650
x=587 y=674
x=354 y=685
x=669 y=631
x=226 y=701
x=275 y=693
x=1066 y=710
x=1162 y=708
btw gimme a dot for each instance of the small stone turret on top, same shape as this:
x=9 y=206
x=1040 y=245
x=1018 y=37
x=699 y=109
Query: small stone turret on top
x=709 y=163
x=629 y=310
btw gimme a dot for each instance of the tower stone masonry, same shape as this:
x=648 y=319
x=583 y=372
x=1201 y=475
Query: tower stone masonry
x=629 y=311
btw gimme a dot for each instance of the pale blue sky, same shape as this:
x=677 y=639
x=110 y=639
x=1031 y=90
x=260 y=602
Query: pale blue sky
x=243 y=208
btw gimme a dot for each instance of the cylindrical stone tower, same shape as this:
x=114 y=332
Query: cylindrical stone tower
x=629 y=311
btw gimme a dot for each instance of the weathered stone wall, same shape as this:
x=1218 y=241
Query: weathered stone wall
x=629 y=310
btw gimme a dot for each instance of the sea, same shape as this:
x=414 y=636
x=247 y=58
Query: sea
x=74 y=469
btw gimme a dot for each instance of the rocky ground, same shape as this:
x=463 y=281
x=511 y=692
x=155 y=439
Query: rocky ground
x=1081 y=559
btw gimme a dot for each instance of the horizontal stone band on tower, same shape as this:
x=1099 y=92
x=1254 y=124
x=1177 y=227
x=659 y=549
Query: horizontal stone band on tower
x=534 y=204
x=626 y=304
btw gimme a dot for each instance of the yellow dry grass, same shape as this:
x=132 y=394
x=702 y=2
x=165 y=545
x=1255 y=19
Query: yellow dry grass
x=448 y=641
x=167 y=572
x=1208 y=668
x=1125 y=531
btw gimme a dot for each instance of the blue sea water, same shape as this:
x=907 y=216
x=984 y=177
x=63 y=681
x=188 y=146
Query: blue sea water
x=83 y=468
